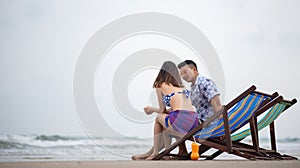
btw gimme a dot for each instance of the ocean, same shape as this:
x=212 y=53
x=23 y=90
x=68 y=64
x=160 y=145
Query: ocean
x=61 y=148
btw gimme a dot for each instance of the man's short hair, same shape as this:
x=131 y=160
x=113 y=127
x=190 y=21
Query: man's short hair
x=189 y=63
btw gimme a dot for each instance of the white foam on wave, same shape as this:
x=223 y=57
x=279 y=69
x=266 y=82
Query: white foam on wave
x=56 y=147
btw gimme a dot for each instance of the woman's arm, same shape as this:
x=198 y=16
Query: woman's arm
x=162 y=107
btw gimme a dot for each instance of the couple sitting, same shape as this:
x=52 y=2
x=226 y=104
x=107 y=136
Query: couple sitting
x=181 y=117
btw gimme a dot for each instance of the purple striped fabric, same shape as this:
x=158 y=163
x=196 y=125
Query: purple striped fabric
x=183 y=121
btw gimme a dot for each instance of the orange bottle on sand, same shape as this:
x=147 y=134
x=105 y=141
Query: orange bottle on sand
x=195 y=151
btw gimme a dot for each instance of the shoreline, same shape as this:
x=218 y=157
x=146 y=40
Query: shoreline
x=154 y=164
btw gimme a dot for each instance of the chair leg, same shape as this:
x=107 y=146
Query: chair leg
x=214 y=155
x=254 y=133
x=203 y=149
x=272 y=135
x=227 y=131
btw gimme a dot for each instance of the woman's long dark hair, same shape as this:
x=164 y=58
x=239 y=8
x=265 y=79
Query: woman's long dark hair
x=168 y=74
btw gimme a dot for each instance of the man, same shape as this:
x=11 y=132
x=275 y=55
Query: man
x=204 y=92
x=204 y=96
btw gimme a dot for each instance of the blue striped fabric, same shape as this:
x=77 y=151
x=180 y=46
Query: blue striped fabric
x=237 y=116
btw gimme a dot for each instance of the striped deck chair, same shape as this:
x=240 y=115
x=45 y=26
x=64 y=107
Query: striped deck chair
x=267 y=120
x=241 y=109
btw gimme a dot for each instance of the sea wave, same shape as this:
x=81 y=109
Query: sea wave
x=9 y=145
x=51 y=141
x=282 y=140
x=48 y=141
x=296 y=140
x=54 y=138
x=30 y=147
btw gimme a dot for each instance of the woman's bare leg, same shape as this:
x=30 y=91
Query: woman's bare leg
x=159 y=132
x=143 y=155
x=158 y=135
x=167 y=140
x=160 y=146
x=182 y=148
x=150 y=151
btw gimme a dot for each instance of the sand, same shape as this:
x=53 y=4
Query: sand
x=154 y=164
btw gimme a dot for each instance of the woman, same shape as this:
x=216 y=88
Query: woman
x=180 y=118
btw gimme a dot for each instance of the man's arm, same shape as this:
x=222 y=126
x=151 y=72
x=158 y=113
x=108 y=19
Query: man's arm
x=216 y=104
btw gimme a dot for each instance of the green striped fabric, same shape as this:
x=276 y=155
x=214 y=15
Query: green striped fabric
x=265 y=121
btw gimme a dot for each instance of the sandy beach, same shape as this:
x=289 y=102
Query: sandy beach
x=153 y=164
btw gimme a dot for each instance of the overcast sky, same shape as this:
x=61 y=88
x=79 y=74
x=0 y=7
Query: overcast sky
x=257 y=42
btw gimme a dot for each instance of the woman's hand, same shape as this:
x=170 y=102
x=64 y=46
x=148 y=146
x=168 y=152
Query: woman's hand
x=148 y=110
